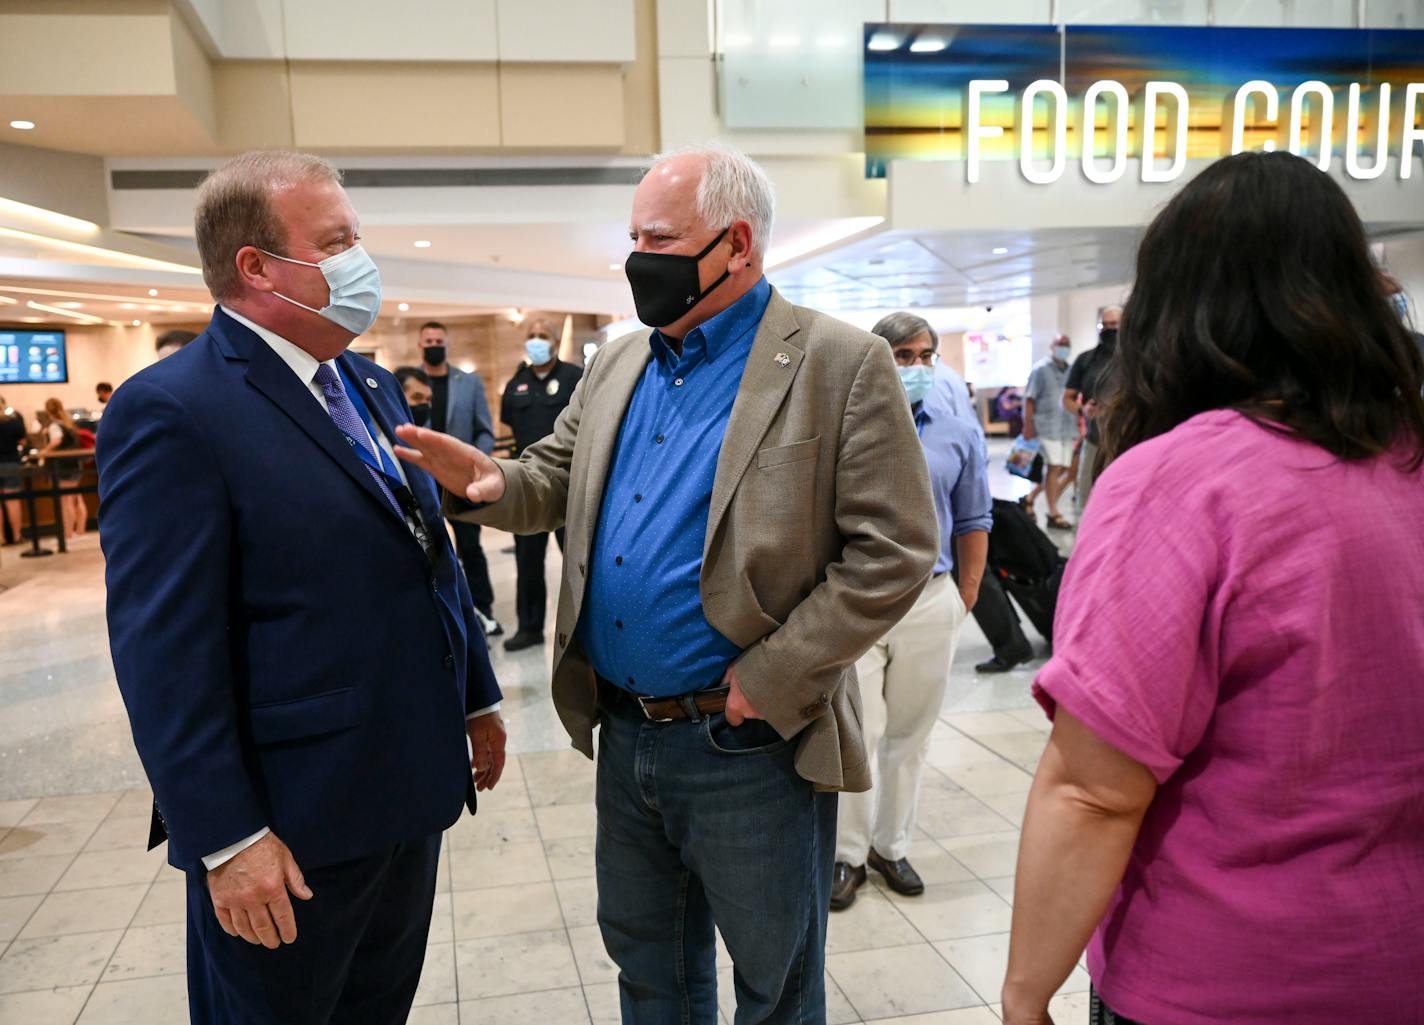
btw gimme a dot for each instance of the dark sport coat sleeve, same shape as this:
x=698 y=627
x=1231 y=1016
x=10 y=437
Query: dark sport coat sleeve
x=165 y=528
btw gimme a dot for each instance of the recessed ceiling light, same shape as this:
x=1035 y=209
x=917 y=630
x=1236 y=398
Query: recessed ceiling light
x=128 y=306
x=136 y=323
x=615 y=266
x=153 y=293
x=402 y=306
x=23 y=126
x=156 y=309
x=1000 y=250
x=883 y=42
x=71 y=306
x=928 y=46
x=422 y=243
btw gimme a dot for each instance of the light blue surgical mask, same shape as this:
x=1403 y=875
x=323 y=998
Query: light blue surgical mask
x=1061 y=353
x=355 y=287
x=538 y=351
x=918 y=381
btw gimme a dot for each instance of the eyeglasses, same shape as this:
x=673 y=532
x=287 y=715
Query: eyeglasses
x=909 y=358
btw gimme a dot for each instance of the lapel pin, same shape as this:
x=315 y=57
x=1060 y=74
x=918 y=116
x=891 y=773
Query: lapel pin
x=370 y=382
x=783 y=360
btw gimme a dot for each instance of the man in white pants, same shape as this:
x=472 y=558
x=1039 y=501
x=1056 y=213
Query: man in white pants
x=903 y=676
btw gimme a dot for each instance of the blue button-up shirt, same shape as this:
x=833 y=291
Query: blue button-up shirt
x=642 y=625
x=959 y=474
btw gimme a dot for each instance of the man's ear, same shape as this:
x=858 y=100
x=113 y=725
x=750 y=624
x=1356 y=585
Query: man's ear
x=252 y=268
x=740 y=234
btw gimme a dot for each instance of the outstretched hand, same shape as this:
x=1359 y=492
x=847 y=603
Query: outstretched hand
x=460 y=468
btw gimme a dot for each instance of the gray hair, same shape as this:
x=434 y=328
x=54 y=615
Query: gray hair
x=234 y=209
x=733 y=188
x=899 y=328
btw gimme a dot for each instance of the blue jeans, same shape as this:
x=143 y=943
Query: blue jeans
x=698 y=823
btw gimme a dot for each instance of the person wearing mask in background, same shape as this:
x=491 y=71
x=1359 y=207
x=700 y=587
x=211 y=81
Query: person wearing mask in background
x=415 y=383
x=1230 y=805
x=103 y=391
x=748 y=511
x=458 y=407
x=1083 y=393
x=1400 y=301
x=61 y=434
x=171 y=341
x=904 y=674
x=1047 y=420
x=533 y=400
x=12 y=443
x=291 y=633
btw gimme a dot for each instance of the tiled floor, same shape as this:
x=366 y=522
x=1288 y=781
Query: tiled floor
x=91 y=926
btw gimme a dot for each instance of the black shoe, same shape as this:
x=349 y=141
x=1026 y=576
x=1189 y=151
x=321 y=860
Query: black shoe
x=524 y=639
x=844 y=882
x=899 y=876
x=1002 y=664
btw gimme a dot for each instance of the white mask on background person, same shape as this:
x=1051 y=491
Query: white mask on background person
x=354 y=284
x=918 y=380
x=538 y=351
x=1062 y=352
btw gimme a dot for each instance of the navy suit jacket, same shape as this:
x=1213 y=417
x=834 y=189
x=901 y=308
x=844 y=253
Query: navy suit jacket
x=288 y=654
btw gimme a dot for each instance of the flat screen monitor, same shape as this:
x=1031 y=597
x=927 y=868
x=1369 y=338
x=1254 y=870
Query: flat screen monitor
x=33 y=357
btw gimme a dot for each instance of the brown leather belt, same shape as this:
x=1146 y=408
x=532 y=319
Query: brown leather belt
x=675 y=709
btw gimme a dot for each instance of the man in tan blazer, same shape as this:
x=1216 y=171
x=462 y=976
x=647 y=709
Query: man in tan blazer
x=747 y=511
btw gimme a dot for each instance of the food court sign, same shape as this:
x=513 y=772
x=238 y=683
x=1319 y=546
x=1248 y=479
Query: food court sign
x=1095 y=96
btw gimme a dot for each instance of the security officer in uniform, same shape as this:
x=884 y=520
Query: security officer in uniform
x=533 y=400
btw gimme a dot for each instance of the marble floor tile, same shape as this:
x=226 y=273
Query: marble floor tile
x=22 y=876
x=1033 y=718
x=34 y=841
x=93 y=808
x=558 y=777
x=940 y=814
x=434 y=1014
x=165 y=902
x=1070 y=1007
x=956 y=751
x=978 y=724
x=149 y=950
x=570 y=857
x=994 y=854
x=838 y=1009
x=137 y=801
x=1010 y=806
x=895 y=981
x=503 y=965
x=12 y=813
x=951 y=910
x=550 y=1007
x=159 y=1000
x=594 y=964
x=963 y=1016
x=63 y=914
x=15 y=912
x=120 y=833
x=989 y=778
x=872 y=921
x=603 y=1005
x=442 y=920
x=44 y=1007
x=56 y=961
x=507 y=865
x=504 y=910
x=578 y=899
x=1018 y=744
x=112 y=868
x=493 y=828
x=564 y=821
x=437 y=976
x=983 y=960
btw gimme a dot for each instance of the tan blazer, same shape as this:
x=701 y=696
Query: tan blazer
x=821 y=533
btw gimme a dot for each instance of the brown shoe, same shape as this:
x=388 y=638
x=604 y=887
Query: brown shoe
x=899 y=876
x=845 y=880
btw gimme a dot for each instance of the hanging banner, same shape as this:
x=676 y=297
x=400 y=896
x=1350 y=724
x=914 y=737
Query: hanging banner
x=1087 y=99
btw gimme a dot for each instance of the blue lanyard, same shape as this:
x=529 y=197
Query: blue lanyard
x=384 y=464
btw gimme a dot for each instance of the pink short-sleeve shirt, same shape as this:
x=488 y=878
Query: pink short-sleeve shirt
x=1244 y=615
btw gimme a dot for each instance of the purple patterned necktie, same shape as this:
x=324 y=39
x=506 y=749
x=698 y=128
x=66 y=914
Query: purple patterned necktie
x=344 y=415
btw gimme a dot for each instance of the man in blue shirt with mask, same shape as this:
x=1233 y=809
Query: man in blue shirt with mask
x=748 y=511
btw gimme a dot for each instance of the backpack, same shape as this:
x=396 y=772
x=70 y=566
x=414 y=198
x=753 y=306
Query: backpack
x=1018 y=547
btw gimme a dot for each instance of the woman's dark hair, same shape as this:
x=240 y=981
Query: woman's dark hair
x=1255 y=291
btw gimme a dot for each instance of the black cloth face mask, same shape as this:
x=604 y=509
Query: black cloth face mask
x=420 y=414
x=667 y=285
x=1108 y=337
x=433 y=354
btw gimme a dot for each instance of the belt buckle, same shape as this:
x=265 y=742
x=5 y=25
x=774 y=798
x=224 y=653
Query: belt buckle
x=643 y=704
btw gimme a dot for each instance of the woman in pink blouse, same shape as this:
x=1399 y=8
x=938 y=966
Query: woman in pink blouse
x=1232 y=802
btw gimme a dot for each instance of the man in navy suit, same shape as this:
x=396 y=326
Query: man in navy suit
x=307 y=683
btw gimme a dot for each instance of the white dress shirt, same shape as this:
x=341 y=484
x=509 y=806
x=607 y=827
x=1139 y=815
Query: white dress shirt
x=305 y=366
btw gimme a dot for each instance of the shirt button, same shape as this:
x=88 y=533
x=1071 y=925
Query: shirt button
x=659 y=439
x=678 y=382
x=618 y=623
x=449 y=661
x=637 y=498
x=618 y=561
x=632 y=682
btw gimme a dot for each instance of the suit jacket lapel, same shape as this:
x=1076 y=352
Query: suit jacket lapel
x=765 y=382
x=606 y=421
x=273 y=378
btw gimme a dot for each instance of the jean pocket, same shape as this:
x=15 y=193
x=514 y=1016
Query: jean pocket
x=752 y=737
